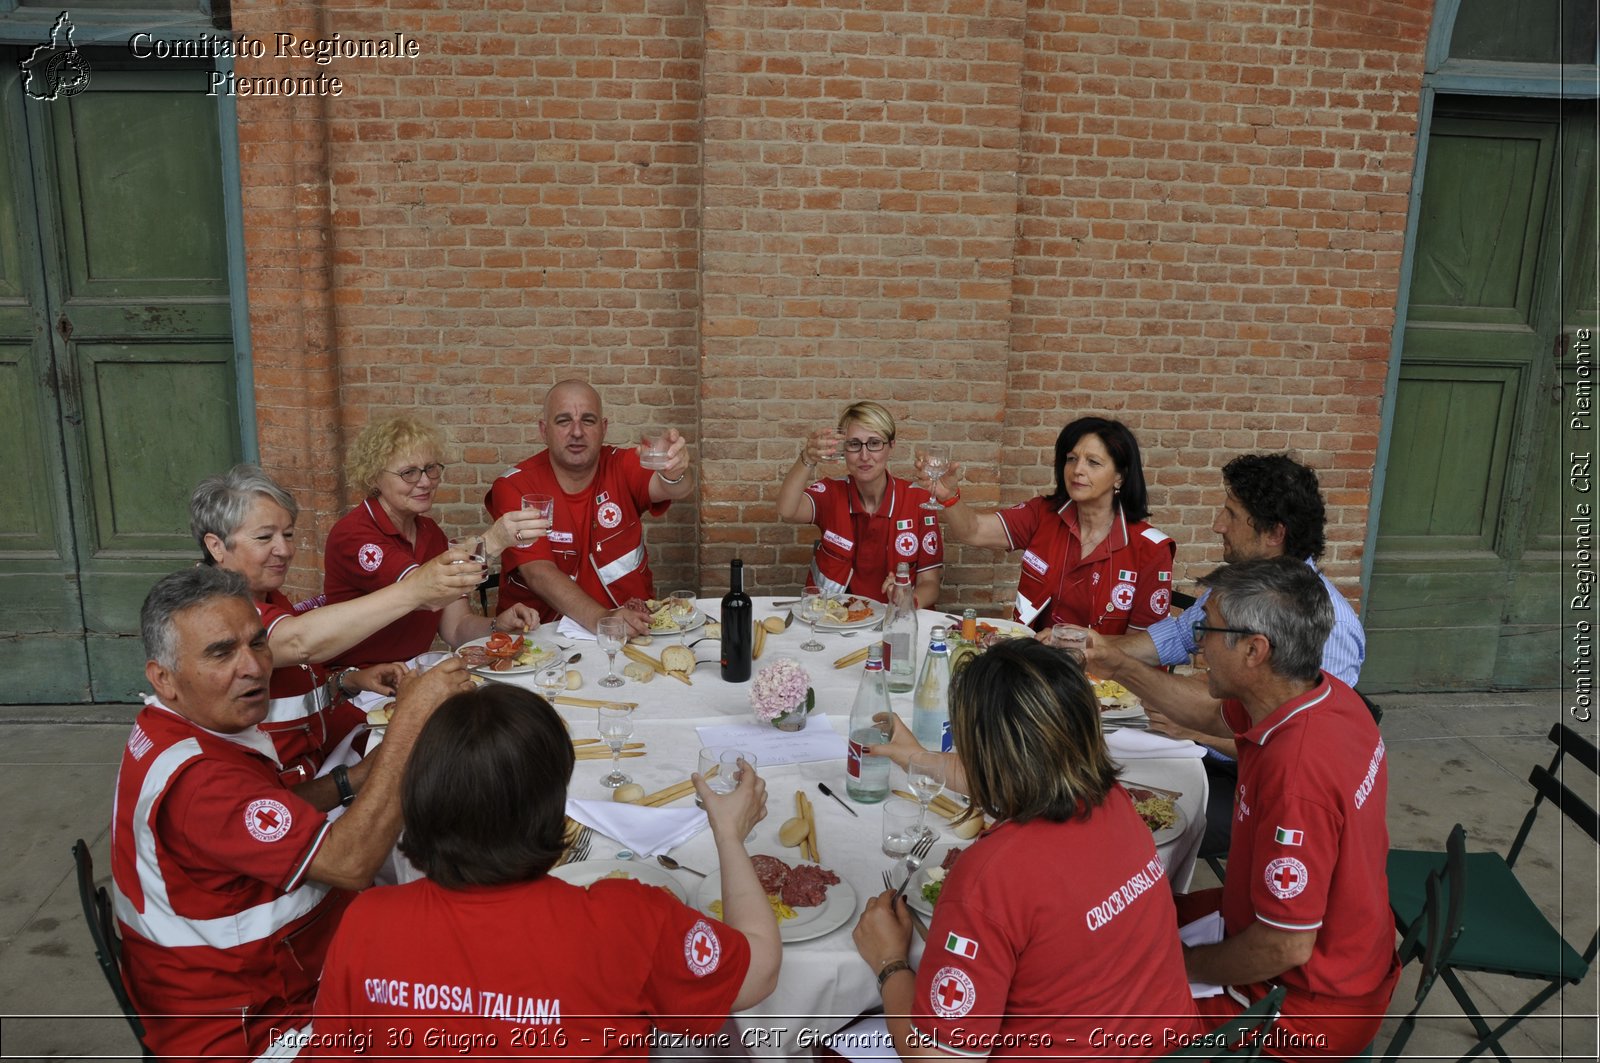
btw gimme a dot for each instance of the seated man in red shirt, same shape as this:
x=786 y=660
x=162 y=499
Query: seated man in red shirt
x=593 y=561
x=228 y=883
x=1306 y=900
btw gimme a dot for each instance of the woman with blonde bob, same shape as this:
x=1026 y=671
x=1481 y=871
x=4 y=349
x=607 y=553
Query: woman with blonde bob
x=1057 y=925
x=870 y=520
x=399 y=463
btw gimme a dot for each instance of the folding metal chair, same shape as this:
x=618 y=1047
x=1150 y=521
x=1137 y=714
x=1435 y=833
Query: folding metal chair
x=1502 y=929
x=1432 y=936
x=1244 y=1030
x=107 y=944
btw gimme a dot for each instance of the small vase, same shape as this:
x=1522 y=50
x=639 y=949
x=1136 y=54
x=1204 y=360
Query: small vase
x=793 y=720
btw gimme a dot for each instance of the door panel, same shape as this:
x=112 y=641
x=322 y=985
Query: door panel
x=1466 y=574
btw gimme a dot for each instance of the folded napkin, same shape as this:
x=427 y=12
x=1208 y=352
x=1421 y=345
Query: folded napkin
x=647 y=831
x=571 y=629
x=1132 y=744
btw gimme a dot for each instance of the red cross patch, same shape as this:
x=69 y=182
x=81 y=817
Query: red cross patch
x=701 y=949
x=930 y=542
x=952 y=993
x=905 y=544
x=609 y=515
x=370 y=556
x=267 y=820
x=1122 y=596
x=1160 y=599
x=1286 y=877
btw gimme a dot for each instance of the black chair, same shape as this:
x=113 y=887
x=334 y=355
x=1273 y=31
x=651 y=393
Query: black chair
x=488 y=583
x=1432 y=936
x=1502 y=929
x=107 y=944
x=1244 y=1030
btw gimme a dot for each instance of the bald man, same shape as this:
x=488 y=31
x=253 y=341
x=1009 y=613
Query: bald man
x=594 y=560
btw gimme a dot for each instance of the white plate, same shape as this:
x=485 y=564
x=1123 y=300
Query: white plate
x=696 y=621
x=837 y=910
x=919 y=878
x=878 y=610
x=1122 y=712
x=551 y=655
x=1006 y=626
x=1165 y=834
x=588 y=871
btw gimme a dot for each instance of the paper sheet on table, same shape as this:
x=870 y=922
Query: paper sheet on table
x=819 y=741
x=1207 y=930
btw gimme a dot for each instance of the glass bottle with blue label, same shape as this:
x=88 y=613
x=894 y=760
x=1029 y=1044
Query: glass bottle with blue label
x=930 y=703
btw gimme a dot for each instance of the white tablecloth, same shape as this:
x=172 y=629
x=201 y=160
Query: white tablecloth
x=823 y=983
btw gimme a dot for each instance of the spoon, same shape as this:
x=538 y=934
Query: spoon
x=672 y=865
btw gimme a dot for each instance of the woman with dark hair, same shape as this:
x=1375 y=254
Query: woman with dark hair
x=1089 y=558
x=1057 y=926
x=492 y=951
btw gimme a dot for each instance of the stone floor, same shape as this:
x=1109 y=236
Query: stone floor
x=1461 y=757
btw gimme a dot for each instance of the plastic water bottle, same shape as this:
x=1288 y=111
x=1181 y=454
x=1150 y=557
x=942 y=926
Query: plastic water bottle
x=930 y=705
x=867 y=777
x=900 y=632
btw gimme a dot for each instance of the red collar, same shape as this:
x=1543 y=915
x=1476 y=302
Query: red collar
x=1289 y=712
x=1116 y=539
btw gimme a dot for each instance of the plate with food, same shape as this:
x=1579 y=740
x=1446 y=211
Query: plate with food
x=928 y=880
x=503 y=654
x=588 y=872
x=667 y=617
x=379 y=714
x=850 y=613
x=809 y=901
x=1117 y=702
x=1160 y=813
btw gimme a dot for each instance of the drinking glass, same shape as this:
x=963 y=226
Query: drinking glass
x=1073 y=639
x=473 y=545
x=812 y=609
x=615 y=726
x=935 y=460
x=552 y=681
x=719 y=766
x=925 y=777
x=682 y=612
x=611 y=633
x=543 y=506
x=653 y=451
x=900 y=827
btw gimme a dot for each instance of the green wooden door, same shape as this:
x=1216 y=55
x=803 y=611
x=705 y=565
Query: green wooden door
x=1466 y=576
x=116 y=342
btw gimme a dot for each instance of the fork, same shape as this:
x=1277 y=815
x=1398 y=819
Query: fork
x=914 y=859
x=579 y=850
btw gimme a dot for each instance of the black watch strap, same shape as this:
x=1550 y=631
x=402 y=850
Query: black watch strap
x=341 y=779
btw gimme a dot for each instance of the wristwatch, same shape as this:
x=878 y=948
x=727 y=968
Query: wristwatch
x=891 y=968
x=341 y=779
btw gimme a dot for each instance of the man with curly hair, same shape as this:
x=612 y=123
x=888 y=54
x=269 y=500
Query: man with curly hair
x=1272 y=508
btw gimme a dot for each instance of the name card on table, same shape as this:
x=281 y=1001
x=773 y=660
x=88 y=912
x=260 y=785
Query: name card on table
x=819 y=741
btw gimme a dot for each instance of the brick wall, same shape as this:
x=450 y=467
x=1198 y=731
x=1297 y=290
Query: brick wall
x=739 y=216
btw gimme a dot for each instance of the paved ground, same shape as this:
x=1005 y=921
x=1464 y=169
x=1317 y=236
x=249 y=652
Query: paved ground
x=1452 y=758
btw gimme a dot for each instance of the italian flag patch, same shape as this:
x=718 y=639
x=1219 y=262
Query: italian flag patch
x=1285 y=836
x=961 y=946
x=1126 y=576
x=904 y=525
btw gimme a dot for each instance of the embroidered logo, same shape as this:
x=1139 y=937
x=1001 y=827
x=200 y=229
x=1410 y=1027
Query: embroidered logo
x=1286 y=877
x=961 y=946
x=701 y=949
x=1160 y=599
x=370 y=556
x=267 y=820
x=905 y=544
x=1285 y=836
x=1122 y=596
x=952 y=993
x=818 y=488
x=609 y=515
x=930 y=542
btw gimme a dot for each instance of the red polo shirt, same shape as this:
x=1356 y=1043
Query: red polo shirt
x=365 y=552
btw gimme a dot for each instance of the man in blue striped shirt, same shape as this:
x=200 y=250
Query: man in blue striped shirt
x=1273 y=508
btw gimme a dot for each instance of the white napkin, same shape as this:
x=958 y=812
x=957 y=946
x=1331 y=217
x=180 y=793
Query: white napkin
x=647 y=831
x=1132 y=744
x=1207 y=930
x=571 y=629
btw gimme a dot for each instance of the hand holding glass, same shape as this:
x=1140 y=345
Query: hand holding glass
x=610 y=634
x=935 y=460
x=615 y=725
x=654 y=451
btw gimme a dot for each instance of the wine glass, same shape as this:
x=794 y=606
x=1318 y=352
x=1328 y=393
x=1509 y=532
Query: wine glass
x=811 y=610
x=611 y=632
x=615 y=726
x=551 y=681
x=935 y=460
x=682 y=612
x=925 y=776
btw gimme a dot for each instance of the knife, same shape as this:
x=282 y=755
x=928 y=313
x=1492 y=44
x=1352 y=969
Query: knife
x=824 y=788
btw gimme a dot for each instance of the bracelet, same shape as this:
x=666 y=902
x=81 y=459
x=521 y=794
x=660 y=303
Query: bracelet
x=494 y=624
x=341 y=781
x=952 y=500
x=893 y=967
x=668 y=482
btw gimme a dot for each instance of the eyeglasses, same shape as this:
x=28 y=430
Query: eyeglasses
x=856 y=446
x=1200 y=627
x=411 y=475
